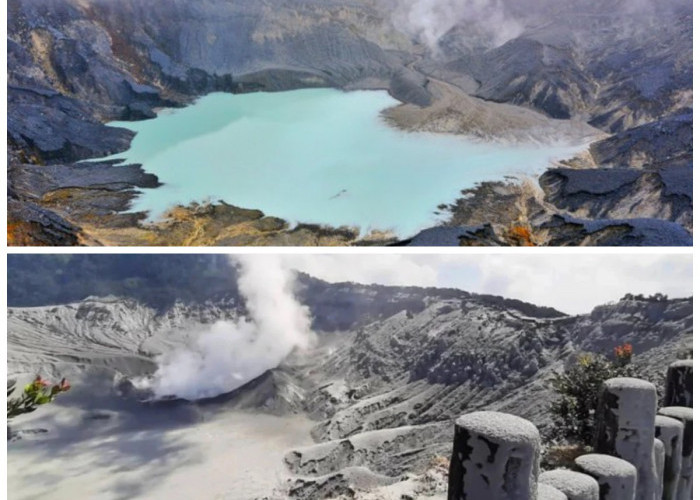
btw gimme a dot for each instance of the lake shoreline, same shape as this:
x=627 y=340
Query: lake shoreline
x=364 y=233
x=100 y=213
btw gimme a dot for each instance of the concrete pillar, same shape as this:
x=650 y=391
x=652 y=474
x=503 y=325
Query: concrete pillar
x=679 y=384
x=625 y=428
x=670 y=432
x=659 y=466
x=574 y=485
x=547 y=492
x=685 y=415
x=495 y=456
x=617 y=478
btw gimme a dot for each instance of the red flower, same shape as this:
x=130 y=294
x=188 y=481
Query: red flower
x=38 y=381
x=624 y=350
x=64 y=385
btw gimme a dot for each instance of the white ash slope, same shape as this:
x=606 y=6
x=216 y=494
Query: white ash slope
x=118 y=334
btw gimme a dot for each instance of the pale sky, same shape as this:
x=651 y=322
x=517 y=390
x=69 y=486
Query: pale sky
x=572 y=283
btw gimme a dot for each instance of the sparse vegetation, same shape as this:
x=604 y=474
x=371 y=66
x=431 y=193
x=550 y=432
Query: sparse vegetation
x=520 y=235
x=577 y=387
x=440 y=462
x=557 y=456
x=657 y=297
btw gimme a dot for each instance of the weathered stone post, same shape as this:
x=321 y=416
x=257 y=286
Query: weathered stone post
x=574 y=485
x=679 y=384
x=685 y=415
x=670 y=432
x=659 y=466
x=495 y=456
x=625 y=428
x=547 y=492
x=617 y=478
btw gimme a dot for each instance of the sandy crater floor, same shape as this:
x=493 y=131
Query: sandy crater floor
x=229 y=455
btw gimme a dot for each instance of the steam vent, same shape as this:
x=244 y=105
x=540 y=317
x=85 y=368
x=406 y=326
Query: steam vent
x=640 y=454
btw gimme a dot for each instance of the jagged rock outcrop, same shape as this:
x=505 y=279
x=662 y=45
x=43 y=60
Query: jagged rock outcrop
x=623 y=193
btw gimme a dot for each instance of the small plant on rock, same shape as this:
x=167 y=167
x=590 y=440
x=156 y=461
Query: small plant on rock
x=36 y=393
x=520 y=235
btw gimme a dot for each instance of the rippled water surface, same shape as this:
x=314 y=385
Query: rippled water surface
x=317 y=156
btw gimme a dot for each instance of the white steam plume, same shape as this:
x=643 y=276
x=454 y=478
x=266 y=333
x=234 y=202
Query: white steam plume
x=229 y=354
x=494 y=22
x=430 y=20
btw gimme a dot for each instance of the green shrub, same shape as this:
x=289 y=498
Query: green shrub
x=573 y=412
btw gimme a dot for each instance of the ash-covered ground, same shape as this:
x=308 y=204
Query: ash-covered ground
x=503 y=71
x=367 y=412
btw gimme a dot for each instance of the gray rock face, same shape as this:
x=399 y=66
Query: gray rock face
x=411 y=87
x=616 y=478
x=574 y=485
x=495 y=456
x=556 y=66
x=49 y=228
x=625 y=428
x=451 y=236
x=58 y=128
x=380 y=450
x=346 y=482
x=623 y=193
x=669 y=139
x=44 y=179
x=616 y=232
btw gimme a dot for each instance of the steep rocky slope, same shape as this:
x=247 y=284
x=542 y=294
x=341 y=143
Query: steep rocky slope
x=415 y=373
x=74 y=64
x=392 y=368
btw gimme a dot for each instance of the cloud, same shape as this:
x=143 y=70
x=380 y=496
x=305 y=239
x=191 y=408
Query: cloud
x=577 y=283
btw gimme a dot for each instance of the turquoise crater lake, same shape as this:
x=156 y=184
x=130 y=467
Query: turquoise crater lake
x=317 y=156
